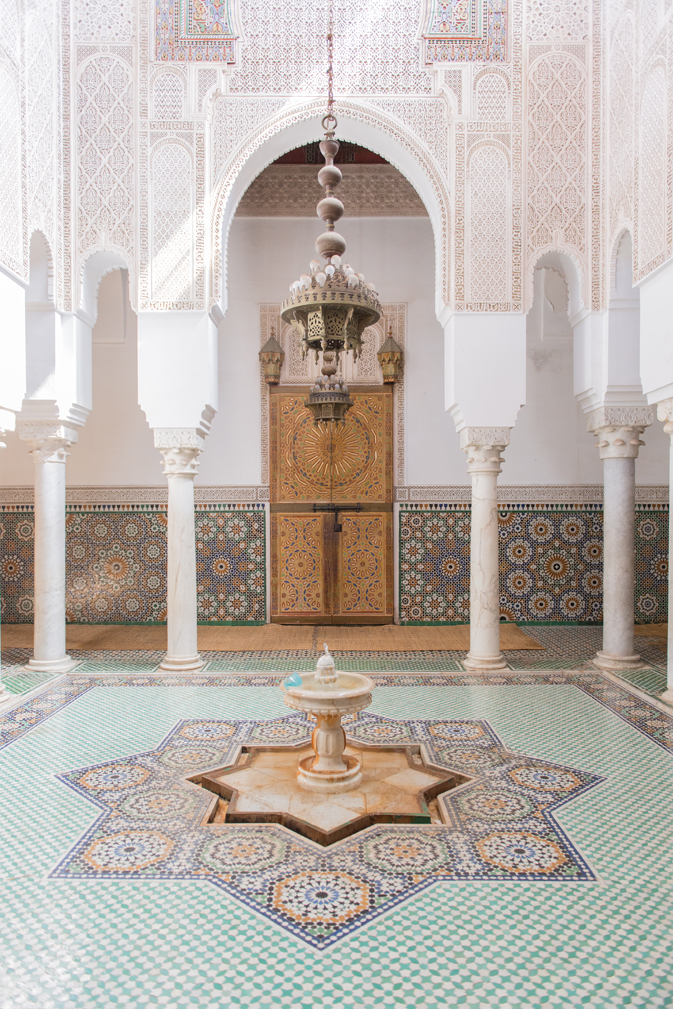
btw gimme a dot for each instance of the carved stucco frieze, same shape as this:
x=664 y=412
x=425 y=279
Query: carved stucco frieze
x=484 y=447
x=48 y=441
x=618 y=429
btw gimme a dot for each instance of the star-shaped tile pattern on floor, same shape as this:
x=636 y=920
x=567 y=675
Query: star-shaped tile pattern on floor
x=498 y=826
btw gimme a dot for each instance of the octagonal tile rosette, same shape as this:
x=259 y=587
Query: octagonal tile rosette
x=498 y=826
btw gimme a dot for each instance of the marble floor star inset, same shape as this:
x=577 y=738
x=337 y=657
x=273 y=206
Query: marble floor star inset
x=497 y=825
x=263 y=782
x=478 y=930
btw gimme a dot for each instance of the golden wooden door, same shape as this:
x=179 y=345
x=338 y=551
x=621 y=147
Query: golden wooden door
x=320 y=573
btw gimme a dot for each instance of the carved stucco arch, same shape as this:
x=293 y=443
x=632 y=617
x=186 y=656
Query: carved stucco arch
x=489 y=142
x=50 y=271
x=98 y=263
x=492 y=69
x=624 y=228
x=565 y=260
x=358 y=123
x=165 y=71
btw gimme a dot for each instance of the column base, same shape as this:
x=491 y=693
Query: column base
x=615 y=663
x=62 y=665
x=666 y=697
x=182 y=663
x=484 y=662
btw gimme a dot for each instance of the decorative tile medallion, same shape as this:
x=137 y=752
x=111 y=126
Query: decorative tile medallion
x=435 y=564
x=466 y=31
x=651 y=568
x=195 y=31
x=498 y=826
x=115 y=567
x=17 y=540
x=116 y=564
x=231 y=565
x=551 y=563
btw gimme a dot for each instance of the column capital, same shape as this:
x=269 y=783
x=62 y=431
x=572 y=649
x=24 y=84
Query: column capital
x=484 y=447
x=180 y=448
x=618 y=429
x=48 y=441
x=665 y=414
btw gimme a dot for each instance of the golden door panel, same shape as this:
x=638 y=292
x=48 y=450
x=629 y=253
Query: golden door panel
x=298 y=573
x=363 y=588
x=321 y=576
x=361 y=453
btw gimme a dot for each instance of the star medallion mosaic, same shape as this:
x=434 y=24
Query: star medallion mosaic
x=231 y=566
x=498 y=826
x=551 y=564
x=116 y=564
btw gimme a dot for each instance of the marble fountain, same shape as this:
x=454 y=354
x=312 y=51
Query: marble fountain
x=336 y=786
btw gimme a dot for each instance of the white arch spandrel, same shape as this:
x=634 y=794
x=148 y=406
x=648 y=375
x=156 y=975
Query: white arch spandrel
x=300 y=124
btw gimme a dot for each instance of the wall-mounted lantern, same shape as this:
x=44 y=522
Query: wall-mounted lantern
x=390 y=358
x=271 y=355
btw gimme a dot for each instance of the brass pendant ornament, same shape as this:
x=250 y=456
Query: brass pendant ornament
x=331 y=306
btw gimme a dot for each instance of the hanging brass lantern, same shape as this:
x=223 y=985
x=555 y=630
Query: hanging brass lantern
x=332 y=306
x=271 y=356
x=329 y=399
x=390 y=359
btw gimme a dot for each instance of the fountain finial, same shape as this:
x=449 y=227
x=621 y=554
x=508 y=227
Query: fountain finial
x=326 y=670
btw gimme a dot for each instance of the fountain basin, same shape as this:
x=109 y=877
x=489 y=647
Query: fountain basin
x=328 y=698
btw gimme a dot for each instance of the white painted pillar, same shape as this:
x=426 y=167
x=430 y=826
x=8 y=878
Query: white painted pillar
x=618 y=431
x=484 y=447
x=49 y=443
x=665 y=413
x=4 y=693
x=180 y=449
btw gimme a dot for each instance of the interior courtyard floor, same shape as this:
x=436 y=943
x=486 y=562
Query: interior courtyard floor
x=550 y=887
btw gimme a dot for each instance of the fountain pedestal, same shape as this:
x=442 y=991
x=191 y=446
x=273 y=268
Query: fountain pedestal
x=328 y=696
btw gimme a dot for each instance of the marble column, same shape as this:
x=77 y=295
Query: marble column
x=49 y=443
x=618 y=431
x=484 y=447
x=180 y=449
x=5 y=696
x=665 y=414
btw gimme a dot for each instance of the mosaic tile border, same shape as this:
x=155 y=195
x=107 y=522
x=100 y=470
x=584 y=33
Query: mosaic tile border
x=648 y=719
x=116 y=562
x=497 y=826
x=551 y=562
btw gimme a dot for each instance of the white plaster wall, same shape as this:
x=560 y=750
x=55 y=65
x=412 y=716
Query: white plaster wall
x=549 y=444
x=115 y=446
x=265 y=256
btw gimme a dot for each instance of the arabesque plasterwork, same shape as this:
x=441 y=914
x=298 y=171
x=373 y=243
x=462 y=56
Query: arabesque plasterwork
x=385 y=81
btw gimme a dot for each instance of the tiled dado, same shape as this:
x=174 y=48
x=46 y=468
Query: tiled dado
x=116 y=563
x=551 y=562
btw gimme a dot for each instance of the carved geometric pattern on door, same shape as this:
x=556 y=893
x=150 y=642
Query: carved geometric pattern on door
x=365 y=561
x=361 y=451
x=297 y=566
x=307 y=554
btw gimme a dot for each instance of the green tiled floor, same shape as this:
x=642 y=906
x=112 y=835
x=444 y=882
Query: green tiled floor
x=88 y=944
x=20 y=681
